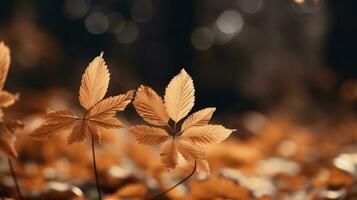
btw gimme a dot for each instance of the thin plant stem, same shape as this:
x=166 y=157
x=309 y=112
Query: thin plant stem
x=175 y=128
x=95 y=171
x=13 y=174
x=168 y=126
x=177 y=184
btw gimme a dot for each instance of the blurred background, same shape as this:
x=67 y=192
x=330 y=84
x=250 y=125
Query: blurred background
x=282 y=72
x=242 y=54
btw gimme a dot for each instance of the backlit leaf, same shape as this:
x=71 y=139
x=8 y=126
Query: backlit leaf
x=202 y=166
x=149 y=135
x=189 y=151
x=108 y=123
x=150 y=106
x=61 y=116
x=7 y=146
x=4 y=63
x=206 y=134
x=95 y=133
x=10 y=126
x=99 y=113
x=111 y=105
x=79 y=133
x=95 y=81
x=198 y=118
x=48 y=130
x=179 y=96
x=169 y=154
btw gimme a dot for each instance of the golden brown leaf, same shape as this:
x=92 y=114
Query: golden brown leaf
x=206 y=134
x=149 y=135
x=179 y=96
x=189 y=151
x=7 y=127
x=198 y=118
x=111 y=105
x=4 y=63
x=61 y=116
x=202 y=166
x=178 y=102
x=7 y=99
x=7 y=138
x=10 y=126
x=56 y=121
x=150 y=106
x=48 y=130
x=79 y=133
x=7 y=146
x=169 y=154
x=99 y=114
x=107 y=123
x=94 y=132
x=95 y=81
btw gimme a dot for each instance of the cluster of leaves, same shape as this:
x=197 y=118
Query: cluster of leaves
x=276 y=160
x=178 y=137
x=193 y=133
x=7 y=126
x=99 y=115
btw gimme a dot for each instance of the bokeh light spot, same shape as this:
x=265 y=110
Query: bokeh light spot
x=221 y=38
x=230 y=22
x=97 y=23
x=202 y=38
x=129 y=34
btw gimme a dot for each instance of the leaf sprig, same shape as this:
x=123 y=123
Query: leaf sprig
x=99 y=114
x=187 y=140
x=7 y=126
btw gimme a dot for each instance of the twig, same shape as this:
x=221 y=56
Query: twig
x=95 y=171
x=15 y=179
x=177 y=184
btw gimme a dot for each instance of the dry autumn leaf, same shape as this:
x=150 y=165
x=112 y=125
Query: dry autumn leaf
x=150 y=106
x=7 y=127
x=179 y=96
x=4 y=63
x=6 y=98
x=99 y=114
x=194 y=131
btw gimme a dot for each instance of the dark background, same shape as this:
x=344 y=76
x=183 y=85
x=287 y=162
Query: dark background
x=296 y=56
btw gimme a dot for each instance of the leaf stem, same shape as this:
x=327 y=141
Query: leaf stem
x=177 y=184
x=13 y=174
x=95 y=171
x=175 y=128
x=168 y=126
